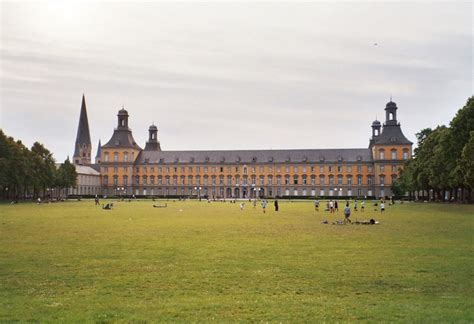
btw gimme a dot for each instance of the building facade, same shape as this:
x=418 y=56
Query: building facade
x=88 y=182
x=127 y=169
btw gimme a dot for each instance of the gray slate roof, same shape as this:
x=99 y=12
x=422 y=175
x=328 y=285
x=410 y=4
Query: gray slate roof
x=256 y=156
x=83 y=135
x=391 y=135
x=86 y=170
x=122 y=138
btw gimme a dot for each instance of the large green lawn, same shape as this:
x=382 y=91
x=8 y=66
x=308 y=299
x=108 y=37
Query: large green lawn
x=195 y=261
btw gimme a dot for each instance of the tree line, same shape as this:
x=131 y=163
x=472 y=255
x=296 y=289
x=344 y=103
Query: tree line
x=442 y=167
x=32 y=173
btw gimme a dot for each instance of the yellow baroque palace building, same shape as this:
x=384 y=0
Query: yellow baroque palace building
x=127 y=169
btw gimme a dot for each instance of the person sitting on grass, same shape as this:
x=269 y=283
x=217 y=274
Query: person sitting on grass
x=242 y=204
x=347 y=213
x=108 y=206
x=382 y=207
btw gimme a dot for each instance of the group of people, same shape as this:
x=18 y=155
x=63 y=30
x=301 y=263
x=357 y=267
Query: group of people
x=263 y=203
x=332 y=205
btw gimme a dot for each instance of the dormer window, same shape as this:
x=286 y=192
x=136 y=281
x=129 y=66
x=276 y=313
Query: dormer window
x=339 y=159
x=254 y=159
x=270 y=159
x=161 y=160
x=359 y=158
x=321 y=159
x=207 y=159
x=191 y=160
x=222 y=159
x=305 y=159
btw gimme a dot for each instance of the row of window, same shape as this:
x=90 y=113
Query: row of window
x=245 y=170
x=237 y=193
x=125 y=155
x=393 y=154
x=236 y=181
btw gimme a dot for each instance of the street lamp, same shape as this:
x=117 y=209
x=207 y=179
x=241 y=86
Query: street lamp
x=199 y=192
x=120 y=191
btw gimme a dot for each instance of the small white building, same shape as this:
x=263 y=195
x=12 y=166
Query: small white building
x=88 y=181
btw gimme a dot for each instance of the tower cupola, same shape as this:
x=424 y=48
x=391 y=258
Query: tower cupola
x=122 y=118
x=153 y=144
x=391 y=113
x=376 y=125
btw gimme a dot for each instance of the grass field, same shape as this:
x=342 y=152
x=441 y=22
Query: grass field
x=195 y=261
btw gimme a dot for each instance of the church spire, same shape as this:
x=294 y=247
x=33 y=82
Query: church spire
x=99 y=151
x=83 y=147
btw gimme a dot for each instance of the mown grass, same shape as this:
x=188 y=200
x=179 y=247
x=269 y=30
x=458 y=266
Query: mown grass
x=195 y=261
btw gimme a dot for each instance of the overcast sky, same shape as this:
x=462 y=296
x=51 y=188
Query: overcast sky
x=231 y=75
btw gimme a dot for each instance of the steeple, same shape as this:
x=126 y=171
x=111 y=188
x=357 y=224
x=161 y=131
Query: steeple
x=83 y=147
x=97 y=156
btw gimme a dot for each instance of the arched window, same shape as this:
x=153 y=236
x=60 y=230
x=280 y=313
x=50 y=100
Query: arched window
x=152 y=179
x=405 y=154
x=270 y=180
x=394 y=178
x=106 y=156
x=393 y=154
x=390 y=116
x=115 y=156
x=145 y=180
x=382 y=154
x=106 y=180
x=125 y=180
x=331 y=180
x=125 y=156
x=349 y=180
